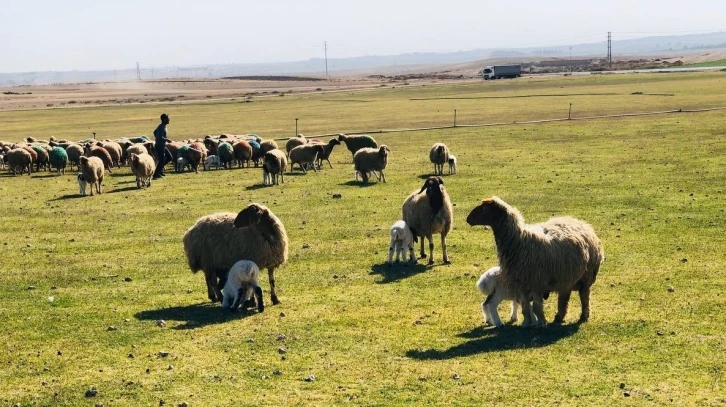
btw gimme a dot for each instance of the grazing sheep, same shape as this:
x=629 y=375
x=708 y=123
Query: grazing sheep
x=211 y=145
x=215 y=242
x=225 y=152
x=181 y=163
x=267 y=145
x=452 y=164
x=101 y=153
x=241 y=283
x=19 y=160
x=136 y=149
x=196 y=155
x=43 y=157
x=81 y=184
x=327 y=150
x=33 y=153
x=366 y=160
x=58 y=159
x=355 y=143
x=294 y=142
x=3 y=160
x=75 y=152
x=429 y=213
x=92 y=169
x=211 y=160
x=305 y=154
x=142 y=166
x=114 y=151
x=493 y=286
x=439 y=155
x=274 y=164
x=402 y=239
x=242 y=153
x=256 y=152
x=561 y=254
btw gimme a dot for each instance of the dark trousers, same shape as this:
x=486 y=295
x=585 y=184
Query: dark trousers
x=162 y=156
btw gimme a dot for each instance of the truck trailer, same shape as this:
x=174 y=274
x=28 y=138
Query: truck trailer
x=502 y=71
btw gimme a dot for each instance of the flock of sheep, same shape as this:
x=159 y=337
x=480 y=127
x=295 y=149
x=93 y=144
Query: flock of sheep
x=560 y=255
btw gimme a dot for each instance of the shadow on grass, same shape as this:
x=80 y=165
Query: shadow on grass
x=66 y=197
x=194 y=315
x=426 y=176
x=397 y=271
x=354 y=183
x=485 y=340
x=53 y=175
x=117 y=190
x=257 y=186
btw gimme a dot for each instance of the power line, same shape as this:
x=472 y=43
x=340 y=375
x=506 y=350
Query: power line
x=610 y=50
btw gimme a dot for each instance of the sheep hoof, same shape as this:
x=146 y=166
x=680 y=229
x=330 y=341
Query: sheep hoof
x=275 y=301
x=431 y=262
x=261 y=308
x=583 y=318
x=447 y=261
x=558 y=320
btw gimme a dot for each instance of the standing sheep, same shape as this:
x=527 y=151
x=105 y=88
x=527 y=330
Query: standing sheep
x=439 y=155
x=241 y=284
x=114 y=151
x=327 y=150
x=274 y=164
x=19 y=159
x=196 y=154
x=305 y=154
x=142 y=166
x=215 y=242
x=452 y=164
x=58 y=159
x=75 y=152
x=43 y=157
x=366 y=160
x=242 y=153
x=355 y=143
x=561 y=254
x=402 y=240
x=429 y=213
x=92 y=170
x=493 y=286
x=267 y=145
x=294 y=142
x=226 y=154
x=100 y=153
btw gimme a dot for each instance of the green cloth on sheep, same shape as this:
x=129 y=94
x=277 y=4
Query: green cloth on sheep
x=58 y=158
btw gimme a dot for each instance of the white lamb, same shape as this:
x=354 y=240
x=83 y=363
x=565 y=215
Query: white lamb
x=452 y=164
x=402 y=238
x=181 y=163
x=241 y=284
x=491 y=284
x=212 y=160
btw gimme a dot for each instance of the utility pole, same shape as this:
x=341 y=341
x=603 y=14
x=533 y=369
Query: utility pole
x=138 y=72
x=610 y=50
x=570 y=60
x=296 y=133
x=325 y=45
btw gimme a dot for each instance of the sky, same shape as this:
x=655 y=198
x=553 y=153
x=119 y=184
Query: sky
x=59 y=35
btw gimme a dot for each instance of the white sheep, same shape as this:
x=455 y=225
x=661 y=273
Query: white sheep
x=181 y=163
x=212 y=160
x=402 y=239
x=492 y=285
x=452 y=164
x=240 y=285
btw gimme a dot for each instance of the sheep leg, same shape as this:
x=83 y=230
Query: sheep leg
x=538 y=309
x=331 y=165
x=400 y=252
x=391 y=249
x=423 y=253
x=431 y=249
x=485 y=311
x=273 y=294
x=585 y=300
x=235 y=303
x=260 y=302
x=211 y=279
x=411 y=256
x=515 y=309
x=526 y=311
x=563 y=300
x=383 y=176
x=443 y=248
x=493 y=312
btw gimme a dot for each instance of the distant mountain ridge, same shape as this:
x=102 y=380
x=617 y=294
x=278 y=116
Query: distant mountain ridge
x=336 y=66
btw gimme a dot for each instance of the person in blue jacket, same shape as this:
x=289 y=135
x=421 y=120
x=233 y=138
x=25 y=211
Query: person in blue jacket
x=162 y=153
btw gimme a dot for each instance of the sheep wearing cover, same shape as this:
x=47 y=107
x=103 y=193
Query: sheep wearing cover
x=304 y=155
x=327 y=150
x=142 y=166
x=100 y=153
x=439 y=155
x=355 y=143
x=19 y=160
x=58 y=159
x=225 y=152
x=242 y=153
x=452 y=164
x=215 y=242
x=75 y=152
x=242 y=282
x=493 y=286
x=267 y=145
x=256 y=152
x=274 y=164
x=366 y=160
x=562 y=254
x=92 y=170
x=429 y=211
x=402 y=241
x=294 y=142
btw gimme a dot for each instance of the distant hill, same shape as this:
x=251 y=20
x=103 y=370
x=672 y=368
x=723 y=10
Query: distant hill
x=403 y=63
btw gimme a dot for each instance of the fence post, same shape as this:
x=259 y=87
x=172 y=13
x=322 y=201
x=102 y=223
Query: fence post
x=295 y=128
x=454 y=117
x=569 y=114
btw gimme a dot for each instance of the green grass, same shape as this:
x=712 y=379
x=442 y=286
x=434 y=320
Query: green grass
x=720 y=62
x=651 y=186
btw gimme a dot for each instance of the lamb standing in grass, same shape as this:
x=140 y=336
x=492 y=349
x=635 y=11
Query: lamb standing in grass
x=242 y=282
x=402 y=240
x=495 y=289
x=452 y=164
x=562 y=254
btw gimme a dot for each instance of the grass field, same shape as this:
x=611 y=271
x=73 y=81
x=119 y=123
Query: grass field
x=651 y=186
x=720 y=62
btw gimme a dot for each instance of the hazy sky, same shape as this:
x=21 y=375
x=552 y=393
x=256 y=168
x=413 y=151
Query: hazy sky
x=114 y=34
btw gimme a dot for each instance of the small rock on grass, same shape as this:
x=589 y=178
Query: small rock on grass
x=161 y=323
x=92 y=392
x=112 y=328
x=310 y=378
x=671 y=289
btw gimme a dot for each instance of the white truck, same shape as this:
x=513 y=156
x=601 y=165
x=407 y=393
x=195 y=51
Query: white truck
x=501 y=71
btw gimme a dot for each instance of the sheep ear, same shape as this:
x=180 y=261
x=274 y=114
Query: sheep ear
x=441 y=182
x=423 y=188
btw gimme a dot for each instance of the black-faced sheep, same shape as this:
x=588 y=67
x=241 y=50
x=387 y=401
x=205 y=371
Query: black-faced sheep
x=429 y=211
x=274 y=164
x=305 y=155
x=439 y=155
x=562 y=254
x=215 y=242
x=327 y=150
x=92 y=170
x=142 y=166
x=402 y=241
x=368 y=160
x=355 y=143
x=242 y=282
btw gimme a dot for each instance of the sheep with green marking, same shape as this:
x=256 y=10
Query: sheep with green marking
x=58 y=159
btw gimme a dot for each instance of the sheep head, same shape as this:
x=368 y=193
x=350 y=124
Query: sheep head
x=490 y=212
x=384 y=150
x=83 y=162
x=251 y=215
x=433 y=187
x=134 y=158
x=342 y=137
x=334 y=142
